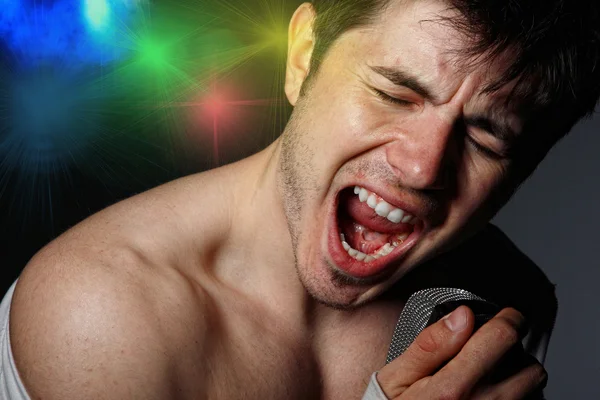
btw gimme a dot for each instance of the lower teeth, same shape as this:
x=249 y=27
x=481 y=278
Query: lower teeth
x=382 y=252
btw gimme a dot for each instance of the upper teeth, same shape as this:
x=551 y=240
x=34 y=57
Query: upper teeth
x=383 y=208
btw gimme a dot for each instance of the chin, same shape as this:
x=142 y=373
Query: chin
x=334 y=288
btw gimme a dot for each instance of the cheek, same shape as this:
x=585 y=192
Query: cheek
x=478 y=181
x=354 y=124
x=338 y=124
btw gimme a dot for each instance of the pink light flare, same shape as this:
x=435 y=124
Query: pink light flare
x=219 y=112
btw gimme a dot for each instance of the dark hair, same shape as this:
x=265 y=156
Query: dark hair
x=555 y=45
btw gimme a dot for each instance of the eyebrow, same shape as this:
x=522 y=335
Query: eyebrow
x=494 y=124
x=403 y=78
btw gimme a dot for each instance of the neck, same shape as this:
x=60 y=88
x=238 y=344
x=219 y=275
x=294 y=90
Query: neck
x=258 y=258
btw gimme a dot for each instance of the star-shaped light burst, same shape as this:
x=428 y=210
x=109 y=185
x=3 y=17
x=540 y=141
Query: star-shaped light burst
x=220 y=107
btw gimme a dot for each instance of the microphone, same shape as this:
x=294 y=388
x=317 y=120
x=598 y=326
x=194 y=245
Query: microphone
x=427 y=306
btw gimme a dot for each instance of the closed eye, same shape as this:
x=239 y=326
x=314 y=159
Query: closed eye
x=394 y=100
x=485 y=150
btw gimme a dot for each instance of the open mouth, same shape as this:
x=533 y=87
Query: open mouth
x=371 y=233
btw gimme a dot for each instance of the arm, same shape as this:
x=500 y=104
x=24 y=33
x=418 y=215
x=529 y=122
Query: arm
x=81 y=330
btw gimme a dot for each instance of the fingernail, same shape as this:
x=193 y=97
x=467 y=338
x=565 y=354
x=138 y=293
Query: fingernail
x=456 y=320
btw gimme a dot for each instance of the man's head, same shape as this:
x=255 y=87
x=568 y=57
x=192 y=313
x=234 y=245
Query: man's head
x=553 y=44
x=434 y=111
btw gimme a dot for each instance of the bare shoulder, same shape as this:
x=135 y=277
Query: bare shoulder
x=106 y=325
x=115 y=308
x=163 y=217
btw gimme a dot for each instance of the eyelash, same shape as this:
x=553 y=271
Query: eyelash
x=386 y=97
x=484 y=150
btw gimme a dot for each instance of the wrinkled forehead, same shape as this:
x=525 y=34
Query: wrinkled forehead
x=416 y=36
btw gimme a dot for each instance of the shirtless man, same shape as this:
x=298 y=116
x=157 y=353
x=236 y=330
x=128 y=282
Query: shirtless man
x=235 y=283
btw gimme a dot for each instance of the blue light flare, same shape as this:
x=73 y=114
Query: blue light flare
x=48 y=119
x=71 y=34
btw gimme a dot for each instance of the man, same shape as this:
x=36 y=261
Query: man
x=283 y=275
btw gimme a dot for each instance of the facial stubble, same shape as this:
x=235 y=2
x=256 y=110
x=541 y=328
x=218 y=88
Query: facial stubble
x=298 y=185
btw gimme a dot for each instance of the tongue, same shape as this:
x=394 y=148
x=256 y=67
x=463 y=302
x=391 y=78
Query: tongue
x=363 y=229
x=363 y=239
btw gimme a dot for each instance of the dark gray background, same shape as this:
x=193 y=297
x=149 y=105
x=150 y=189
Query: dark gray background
x=554 y=218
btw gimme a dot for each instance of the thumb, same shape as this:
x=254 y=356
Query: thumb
x=431 y=349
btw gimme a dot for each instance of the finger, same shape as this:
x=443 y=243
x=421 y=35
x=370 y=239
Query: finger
x=482 y=352
x=434 y=346
x=416 y=390
x=522 y=385
x=515 y=360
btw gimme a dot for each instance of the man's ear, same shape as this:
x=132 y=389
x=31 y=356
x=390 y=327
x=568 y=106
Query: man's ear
x=300 y=47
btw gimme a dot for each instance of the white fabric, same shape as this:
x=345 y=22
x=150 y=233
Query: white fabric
x=374 y=391
x=11 y=387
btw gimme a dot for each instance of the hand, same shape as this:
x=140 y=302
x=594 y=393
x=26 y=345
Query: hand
x=420 y=373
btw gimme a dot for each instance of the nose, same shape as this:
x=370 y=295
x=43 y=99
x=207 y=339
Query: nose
x=424 y=155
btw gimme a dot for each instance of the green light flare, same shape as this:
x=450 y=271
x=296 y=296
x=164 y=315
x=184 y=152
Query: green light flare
x=154 y=54
x=176 y=52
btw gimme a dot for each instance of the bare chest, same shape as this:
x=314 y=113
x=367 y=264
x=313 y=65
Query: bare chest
x=258 y=362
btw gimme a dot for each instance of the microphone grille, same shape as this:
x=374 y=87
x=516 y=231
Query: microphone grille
x=416 y=314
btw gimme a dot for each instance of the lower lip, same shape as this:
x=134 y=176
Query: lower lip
x=360 y=269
